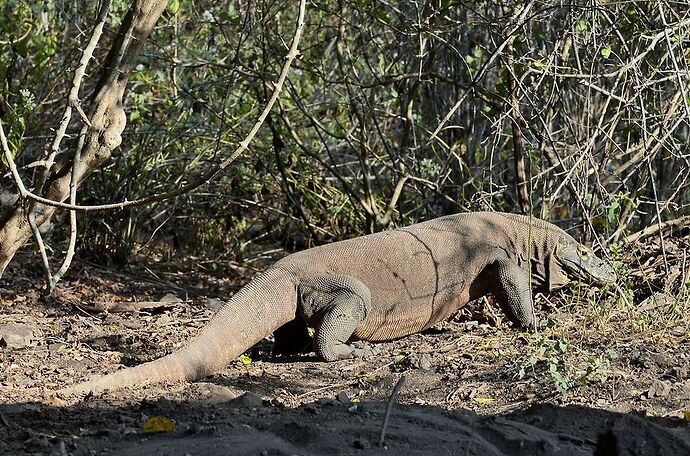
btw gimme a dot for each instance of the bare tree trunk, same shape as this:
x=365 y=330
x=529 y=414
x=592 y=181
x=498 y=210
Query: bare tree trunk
x=96 y=142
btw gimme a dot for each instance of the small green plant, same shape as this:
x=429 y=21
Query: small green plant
x=640 y=323
x=598 y=368
x=550 y=353
x=618 y=201
x=549 y=361
x=615 y=249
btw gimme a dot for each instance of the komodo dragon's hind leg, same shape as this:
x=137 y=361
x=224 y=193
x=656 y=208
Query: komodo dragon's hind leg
x=335 y=306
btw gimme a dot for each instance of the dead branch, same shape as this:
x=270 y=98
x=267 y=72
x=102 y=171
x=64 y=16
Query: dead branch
x=677 y=224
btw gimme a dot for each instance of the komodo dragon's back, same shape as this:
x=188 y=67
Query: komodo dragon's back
x=379 y=287
x=419 y=274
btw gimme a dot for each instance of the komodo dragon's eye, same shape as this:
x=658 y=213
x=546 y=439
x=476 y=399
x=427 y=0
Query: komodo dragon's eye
x=583 y=251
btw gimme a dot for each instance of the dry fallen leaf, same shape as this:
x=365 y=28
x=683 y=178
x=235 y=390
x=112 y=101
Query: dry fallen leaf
x=158 y=424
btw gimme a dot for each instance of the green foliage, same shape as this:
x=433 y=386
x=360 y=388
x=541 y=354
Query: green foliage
x=28 y=41
x=553 y=359
x=373 y=82
x=618 y=201
x=598 y=368
x=552 y=354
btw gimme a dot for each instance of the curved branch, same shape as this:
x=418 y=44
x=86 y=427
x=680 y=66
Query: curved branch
x=208 y=175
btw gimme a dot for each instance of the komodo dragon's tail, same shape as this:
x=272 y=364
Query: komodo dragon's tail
x=258 y=309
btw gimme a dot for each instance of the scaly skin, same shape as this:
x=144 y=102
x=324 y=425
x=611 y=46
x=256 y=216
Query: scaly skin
x=379 y=287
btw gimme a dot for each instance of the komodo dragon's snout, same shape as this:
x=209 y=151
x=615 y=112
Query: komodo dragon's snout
x=581 y=262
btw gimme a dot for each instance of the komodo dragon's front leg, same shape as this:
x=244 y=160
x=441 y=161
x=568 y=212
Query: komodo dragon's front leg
x=514 y=292
x=334 y=306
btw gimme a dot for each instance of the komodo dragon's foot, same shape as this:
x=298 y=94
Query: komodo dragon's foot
x=338 y=351
x=356 y=350
x=366 y=351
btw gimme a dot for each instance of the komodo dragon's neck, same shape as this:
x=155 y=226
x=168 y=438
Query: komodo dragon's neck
x=531 y=243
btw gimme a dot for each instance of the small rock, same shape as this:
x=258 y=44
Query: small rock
x=59 y=449
x=216 y=394
x=363 y=350
x=248 y=399
x=326 y=401
x=214 y=303
x=15 y=335
x=170 y=297
x=361 y=444
x=422 y=362
x=201 y=429
x=659 y=388
x=57 y=346
x=343 y=398
x=425 y=362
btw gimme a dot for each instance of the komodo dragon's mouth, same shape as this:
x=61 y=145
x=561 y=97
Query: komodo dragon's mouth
x=589 y=267
x=580 y=261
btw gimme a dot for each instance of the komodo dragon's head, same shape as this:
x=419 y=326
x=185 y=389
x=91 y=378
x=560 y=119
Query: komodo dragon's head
x=575 y=260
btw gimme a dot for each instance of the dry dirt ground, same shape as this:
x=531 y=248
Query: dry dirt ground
x=607 y=374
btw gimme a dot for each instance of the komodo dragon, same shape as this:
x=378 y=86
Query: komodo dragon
x=379 y=287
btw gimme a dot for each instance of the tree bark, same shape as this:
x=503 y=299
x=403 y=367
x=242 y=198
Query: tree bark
x=97 y=142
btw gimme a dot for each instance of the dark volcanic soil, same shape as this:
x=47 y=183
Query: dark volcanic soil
x=609 y=373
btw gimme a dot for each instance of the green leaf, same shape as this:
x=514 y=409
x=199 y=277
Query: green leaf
x=582 y=25
x=382 y=16
x=606 y=52
x=562 y=345
x=173 y=6
x=613 y=211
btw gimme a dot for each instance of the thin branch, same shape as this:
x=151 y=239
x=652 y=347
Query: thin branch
x=208 y=175
x=519 y=22
x=389 y=409
x=73 y=97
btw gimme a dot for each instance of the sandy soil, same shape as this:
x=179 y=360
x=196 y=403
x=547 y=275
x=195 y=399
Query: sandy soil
x=604 y=376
